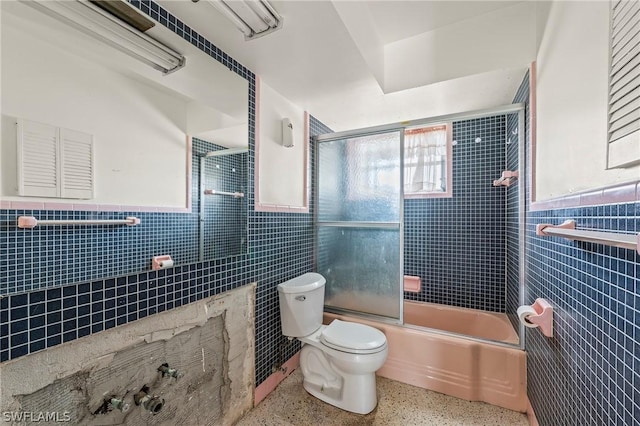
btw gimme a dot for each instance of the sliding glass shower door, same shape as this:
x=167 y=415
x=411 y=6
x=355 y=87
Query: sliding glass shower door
x=359 y=222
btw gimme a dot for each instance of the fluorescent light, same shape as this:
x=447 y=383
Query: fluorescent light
x=105 y=27
x=254 y=18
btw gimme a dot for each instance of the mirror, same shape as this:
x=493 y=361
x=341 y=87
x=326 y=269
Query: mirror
x=151 y=133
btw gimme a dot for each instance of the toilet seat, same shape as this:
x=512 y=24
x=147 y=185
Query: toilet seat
x=353 y=338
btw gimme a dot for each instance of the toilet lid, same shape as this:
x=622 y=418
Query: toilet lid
x=353 y=337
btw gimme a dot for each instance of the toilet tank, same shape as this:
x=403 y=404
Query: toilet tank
x=301 y=304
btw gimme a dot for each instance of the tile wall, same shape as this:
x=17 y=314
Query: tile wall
x=457 y=245
x=589 y=372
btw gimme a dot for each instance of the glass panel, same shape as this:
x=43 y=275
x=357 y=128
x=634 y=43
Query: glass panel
x=362 y=268
x=359 y=179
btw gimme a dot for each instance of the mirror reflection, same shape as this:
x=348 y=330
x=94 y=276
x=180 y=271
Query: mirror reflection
x=222 y=205
x=150 y=130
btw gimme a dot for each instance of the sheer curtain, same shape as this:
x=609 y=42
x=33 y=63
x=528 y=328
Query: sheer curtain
x=425 y=151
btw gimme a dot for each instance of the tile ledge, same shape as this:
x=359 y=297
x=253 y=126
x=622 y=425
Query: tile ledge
x=614 y=194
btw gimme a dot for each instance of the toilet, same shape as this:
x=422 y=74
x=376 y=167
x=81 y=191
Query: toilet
x=338 y=361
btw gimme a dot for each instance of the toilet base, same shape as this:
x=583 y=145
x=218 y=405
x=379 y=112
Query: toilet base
x=350 y=392
x=359 y=401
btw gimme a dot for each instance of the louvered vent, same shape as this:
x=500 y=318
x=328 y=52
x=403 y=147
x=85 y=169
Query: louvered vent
x=624 y=79
x=77 y=164
x=54 y=162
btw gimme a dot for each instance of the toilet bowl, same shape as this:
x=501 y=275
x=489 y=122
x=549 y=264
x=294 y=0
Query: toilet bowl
x=339 y=360
x=342 y=377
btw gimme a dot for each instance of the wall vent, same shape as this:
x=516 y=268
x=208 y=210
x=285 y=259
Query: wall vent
x=54 y=162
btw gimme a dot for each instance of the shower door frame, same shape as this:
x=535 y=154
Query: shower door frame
x=328 y=137
x=523 y=168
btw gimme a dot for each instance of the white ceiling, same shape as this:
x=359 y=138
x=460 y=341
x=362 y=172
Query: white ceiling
x=355 y=64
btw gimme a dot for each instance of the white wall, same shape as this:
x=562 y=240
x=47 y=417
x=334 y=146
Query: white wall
x=139 y=129
x=501 y=39
x=572 y=78
x=281 y=170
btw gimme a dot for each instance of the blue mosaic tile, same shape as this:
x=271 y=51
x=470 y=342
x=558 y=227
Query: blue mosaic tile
x=457 y=245
x=589 y=372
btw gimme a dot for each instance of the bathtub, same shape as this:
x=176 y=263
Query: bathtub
x=456 y=366
x=469 y=322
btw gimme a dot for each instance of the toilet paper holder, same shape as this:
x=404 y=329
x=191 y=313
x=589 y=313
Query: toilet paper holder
x=543 y=316
x=161 y=262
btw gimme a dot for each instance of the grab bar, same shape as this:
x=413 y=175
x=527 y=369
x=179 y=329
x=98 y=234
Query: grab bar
x=30 y=222
x=568 y=230
x=232 y=194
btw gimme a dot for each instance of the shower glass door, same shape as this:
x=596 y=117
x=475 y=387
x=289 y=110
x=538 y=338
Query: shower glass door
x=359 y=222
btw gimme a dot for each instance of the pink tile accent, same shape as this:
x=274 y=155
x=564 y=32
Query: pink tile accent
x=187 y=208
x=131 y=208
x=88 y=207
x=27 y=205
x=22 y=205
x=624 y=193
x=166 y=209
x=533 y=420
x=274 y=380
x=620 y=194
x=454 y=366
x=533 y=77
x=307 y=169
x=58 y=206
x=590 y=198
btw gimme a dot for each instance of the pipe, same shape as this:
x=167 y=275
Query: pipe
x=151 y=403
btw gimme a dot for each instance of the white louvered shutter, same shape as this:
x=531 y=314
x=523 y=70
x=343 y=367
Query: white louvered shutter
x=624 y=83
x=38 y=173
x=76 y=161
x=54 y=162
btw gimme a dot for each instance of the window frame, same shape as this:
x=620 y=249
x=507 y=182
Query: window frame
x=448 y=192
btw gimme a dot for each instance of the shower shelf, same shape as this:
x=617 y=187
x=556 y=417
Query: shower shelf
x=507 y=178
x=568 y=230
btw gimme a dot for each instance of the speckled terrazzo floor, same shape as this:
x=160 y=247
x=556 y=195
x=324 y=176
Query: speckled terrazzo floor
x=398 y=404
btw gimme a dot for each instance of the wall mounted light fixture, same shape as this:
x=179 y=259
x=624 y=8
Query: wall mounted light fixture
x=287 y=133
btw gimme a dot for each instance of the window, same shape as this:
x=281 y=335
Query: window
x=624 y=85
x=427 y=162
